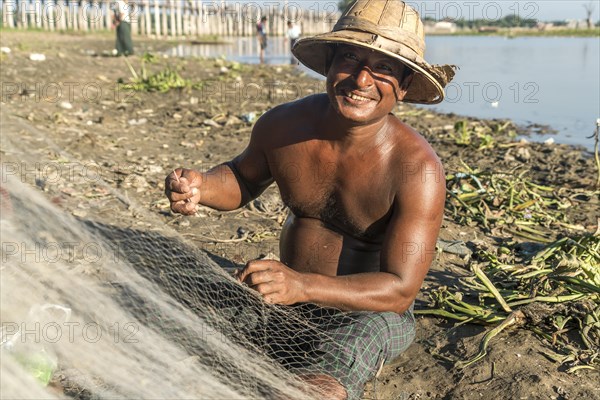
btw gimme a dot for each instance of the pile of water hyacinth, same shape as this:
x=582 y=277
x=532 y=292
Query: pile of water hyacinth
x=544 y=276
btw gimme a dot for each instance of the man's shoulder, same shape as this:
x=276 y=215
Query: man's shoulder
x=283 y=120
x=302 y=109
x=414 y=152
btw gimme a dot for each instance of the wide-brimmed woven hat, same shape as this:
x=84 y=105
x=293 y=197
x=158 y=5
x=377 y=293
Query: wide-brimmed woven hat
x=391 y=27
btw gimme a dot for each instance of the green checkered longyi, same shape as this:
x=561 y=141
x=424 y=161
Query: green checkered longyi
x=356 y=344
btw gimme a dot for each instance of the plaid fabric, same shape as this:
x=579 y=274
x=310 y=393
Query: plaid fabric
x=356 y=344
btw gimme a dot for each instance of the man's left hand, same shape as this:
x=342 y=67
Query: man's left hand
x=276 y=282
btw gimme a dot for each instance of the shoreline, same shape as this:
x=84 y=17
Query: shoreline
x=510 y=32
x=517 y=33
x=303 y=83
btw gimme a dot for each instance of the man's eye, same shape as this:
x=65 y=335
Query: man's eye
x=385 y=68
x=350 y=56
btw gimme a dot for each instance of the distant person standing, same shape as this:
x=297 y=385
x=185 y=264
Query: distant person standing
x=261 y=35
x=122 y=21
x=293 y=33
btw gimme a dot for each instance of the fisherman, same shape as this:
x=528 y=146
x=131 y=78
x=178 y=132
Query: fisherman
x=122 y=21
x=365 y=191
x=261 y=35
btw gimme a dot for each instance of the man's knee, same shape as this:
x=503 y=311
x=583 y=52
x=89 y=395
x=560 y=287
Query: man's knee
x=325 y=386
x=395 y=332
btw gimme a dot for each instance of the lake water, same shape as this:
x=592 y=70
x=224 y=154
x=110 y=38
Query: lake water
x=550 y=81
x=538 y=80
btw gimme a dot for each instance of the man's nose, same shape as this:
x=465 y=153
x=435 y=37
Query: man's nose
x=364 y=76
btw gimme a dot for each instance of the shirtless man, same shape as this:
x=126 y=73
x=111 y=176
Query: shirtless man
x=365 y=191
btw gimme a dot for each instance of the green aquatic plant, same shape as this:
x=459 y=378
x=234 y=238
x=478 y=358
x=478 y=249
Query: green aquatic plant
x=478 y=136
x=552 y=290
x=563 y=277
x=161 y=81
x=511 y=201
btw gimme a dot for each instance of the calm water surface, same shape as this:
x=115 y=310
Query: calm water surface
x=551 y=81
x=540 y=80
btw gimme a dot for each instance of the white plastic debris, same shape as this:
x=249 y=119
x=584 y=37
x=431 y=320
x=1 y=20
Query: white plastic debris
x=135 y=122
x=39 y=360
x=65 y=105
x=249 y=117
x=5 y=50
x=37 y=57
x=549 y=141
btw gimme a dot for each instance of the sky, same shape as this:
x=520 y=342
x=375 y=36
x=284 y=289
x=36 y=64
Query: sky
x=543 y=10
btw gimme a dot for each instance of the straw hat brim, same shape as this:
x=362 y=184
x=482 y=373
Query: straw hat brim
x=427 y=86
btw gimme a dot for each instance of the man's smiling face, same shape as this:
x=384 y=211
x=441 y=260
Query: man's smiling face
x=364 y=85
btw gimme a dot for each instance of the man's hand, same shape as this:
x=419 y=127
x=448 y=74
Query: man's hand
x=277 y=283
x=182 y=187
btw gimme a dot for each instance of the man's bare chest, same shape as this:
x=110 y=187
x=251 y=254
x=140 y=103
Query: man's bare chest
x=352 y=196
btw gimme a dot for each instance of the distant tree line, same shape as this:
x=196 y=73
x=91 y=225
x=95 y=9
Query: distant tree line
x=510 y=21
x=342 y=4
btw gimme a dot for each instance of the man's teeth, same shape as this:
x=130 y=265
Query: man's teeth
x=357 y=97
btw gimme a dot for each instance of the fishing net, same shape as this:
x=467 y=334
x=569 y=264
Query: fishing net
x=100 y=307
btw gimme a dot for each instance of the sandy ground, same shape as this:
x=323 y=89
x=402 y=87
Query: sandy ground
x=71 y=107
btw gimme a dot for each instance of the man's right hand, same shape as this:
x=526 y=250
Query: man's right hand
x=182 y=187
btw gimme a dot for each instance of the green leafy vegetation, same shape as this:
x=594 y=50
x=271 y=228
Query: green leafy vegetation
x=342 y=4
x=518 y=205
x=480 y=136
x=543 y=276
x=509 y=21
x=554 y=292
x=161 y=81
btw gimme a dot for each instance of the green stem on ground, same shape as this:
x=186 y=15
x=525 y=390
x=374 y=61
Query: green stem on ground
x=440 y=313
x=516 y=317
x=596 y=156
x=135 y=75
x=549 y=299
x=490 y=286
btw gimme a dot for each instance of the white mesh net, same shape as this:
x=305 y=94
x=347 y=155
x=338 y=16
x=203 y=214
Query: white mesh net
x=143 y=307
x=96 y=307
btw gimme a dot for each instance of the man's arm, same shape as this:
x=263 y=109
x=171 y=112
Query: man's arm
x=116 y=18
x=227 y=186
x=407 y=253
x=408 y=249
x=117 y=13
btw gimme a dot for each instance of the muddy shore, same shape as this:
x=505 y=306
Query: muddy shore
x=71 y=109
